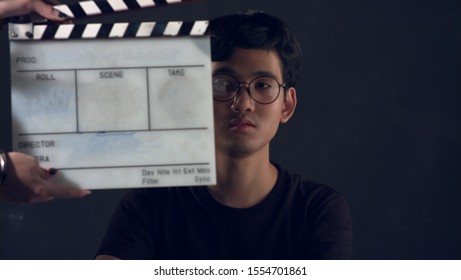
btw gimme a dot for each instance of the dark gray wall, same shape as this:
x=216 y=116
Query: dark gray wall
x=378 y=119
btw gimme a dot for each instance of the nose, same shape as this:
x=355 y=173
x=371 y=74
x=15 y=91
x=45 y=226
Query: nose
x=243 y=100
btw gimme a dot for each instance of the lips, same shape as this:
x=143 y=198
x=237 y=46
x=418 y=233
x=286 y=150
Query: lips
x=241 y=124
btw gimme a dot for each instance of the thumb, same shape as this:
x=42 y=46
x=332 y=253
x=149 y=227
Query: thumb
x=51 y=189
x=47 y=11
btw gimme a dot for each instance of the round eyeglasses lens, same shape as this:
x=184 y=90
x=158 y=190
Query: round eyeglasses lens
x=224 y=87
x=264 y=89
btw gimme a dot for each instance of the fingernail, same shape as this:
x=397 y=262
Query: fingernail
x=63 y=15
x=52 y=171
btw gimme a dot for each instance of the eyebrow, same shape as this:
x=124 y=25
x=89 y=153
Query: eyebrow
x=229 y=71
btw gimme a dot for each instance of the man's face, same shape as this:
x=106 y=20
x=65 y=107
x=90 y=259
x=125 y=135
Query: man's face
x=242 y=126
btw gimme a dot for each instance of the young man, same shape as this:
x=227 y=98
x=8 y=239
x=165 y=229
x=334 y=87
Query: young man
x=257 y=210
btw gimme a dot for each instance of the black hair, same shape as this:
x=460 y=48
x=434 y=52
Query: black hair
x=256 y=30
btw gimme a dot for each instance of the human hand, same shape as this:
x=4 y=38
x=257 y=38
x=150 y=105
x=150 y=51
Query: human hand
x=9 y=8
x=27 y=182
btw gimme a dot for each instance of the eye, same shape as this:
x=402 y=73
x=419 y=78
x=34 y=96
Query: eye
x=224 y=85
x=262 y=85
x=220 y=84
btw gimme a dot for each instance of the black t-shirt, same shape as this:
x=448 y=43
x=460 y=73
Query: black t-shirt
x=299 y=219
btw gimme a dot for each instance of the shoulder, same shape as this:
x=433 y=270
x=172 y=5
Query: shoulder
x=314 y=197
x=305 y=187
x=325 y=215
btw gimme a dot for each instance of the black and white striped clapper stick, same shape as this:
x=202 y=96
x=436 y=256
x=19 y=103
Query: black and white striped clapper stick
x=119 y=30
x=93 y=8
x=109 y=30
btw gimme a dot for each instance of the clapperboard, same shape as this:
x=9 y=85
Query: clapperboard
x=114 y=105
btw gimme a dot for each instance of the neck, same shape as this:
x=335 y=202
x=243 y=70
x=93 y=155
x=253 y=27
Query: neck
x=243 y=182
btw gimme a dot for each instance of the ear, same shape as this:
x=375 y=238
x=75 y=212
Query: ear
x=289 y=105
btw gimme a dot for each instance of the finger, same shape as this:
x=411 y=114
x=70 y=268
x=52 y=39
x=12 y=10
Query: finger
x=56 y=190
x=40 y=199
x=46 y=174
x=47 y=11
x=52 y=2
x=62 y=191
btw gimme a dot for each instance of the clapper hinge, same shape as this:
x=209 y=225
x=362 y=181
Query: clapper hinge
x=21 y=28
x=21 y=31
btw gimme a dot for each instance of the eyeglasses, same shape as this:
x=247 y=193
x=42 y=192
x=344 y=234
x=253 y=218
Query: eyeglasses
x=263 y=89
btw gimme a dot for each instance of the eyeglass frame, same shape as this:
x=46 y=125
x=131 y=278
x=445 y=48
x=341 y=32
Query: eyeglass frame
x=239 y=86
